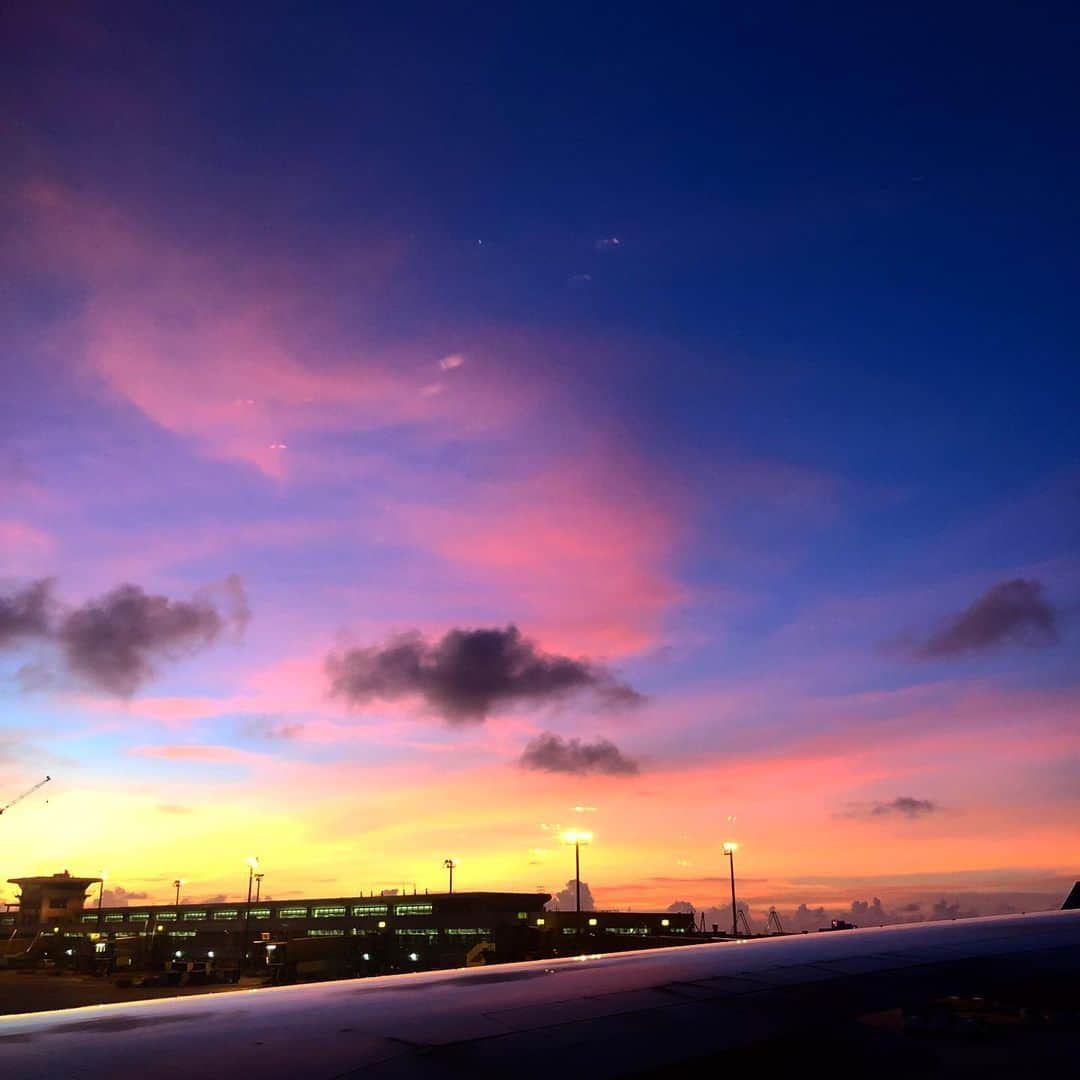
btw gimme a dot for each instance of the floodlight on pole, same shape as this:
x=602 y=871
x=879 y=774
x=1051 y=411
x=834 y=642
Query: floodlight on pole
x=729 y=850
x=577 y=837
x=101 y=894
x=450 y=864
x=253 y=865
x=176 y=885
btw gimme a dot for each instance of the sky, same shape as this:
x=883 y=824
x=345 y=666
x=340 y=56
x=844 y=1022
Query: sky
x=417 y=423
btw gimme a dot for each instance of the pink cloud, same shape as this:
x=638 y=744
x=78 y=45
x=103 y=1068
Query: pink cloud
x=581 y=555
x=238 y=350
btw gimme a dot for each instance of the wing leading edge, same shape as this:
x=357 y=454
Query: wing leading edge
x=615 y=1015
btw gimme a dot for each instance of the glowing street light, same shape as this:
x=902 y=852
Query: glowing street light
x=450 y=864
x=577 y=837
x=729 y=850
x=176 y=885
x=253 y=865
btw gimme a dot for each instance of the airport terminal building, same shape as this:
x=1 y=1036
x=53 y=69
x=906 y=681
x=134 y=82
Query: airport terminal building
x=323 y=937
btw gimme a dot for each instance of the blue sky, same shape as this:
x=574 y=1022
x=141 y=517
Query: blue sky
x=727 y=351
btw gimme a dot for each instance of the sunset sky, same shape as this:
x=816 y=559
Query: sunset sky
x=416 y=423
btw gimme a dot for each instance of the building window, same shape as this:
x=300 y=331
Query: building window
x=568 y=930
x=360 y=910
x=115 y=917
x=540 y=922
x=593 y=922
x=138 y=916
x=194 y=916
x=665 y=922
x=413 y=909
x=292 y=912
x=166 y=916
x=260 y=913
x=90 y=918
x=228 y=914
x=523 y=914
x=328 y=911
x=408 y=931
x=456 y=931
x=183 y=933
x=326 y=933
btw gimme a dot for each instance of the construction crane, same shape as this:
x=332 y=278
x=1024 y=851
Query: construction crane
x=25 y=794
x=774 y=926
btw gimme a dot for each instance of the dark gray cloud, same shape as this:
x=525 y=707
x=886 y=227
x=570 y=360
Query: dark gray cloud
x=467 y=673
x=1012 y=611
x=566 y=899
x=116 y=641
x=550 y=753
x=26 y=613
x=901 y=806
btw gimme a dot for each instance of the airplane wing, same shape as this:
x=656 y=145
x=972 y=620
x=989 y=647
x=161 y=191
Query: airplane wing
x=640 y=1013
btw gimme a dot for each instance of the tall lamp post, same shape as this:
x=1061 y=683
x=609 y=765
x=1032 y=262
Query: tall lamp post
x=100 y=894
x=577 y=837
x=176 y=885
x=450 y=864
x=253 y=863
x=258 y=887
x=729 y=850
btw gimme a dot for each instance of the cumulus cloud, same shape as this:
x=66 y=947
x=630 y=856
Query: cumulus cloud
x=550 y=753
x=25 y=613
x=1012 y=611
x=120 y=897
x=566 y=899
x=807 y=918
x=870 y=913
x=681 y=907
x=467 y=673
x=115 y=642
x=901 y=806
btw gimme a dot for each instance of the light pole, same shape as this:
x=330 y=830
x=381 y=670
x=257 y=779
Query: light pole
x=258 y=887
x=176 y=885
x=450 y=864
x=252 y=862
x=100 y=894
x=577 y=837
x=729 y=850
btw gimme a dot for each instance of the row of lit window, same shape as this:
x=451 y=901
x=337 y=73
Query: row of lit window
x=319 y=911
x=610 y=929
